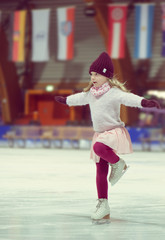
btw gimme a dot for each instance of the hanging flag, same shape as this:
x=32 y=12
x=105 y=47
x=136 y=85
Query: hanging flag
x=40 y=35
x=117 y=15
x=17 y=36
x=163 y=29
x=144 y=15
x=65 y=25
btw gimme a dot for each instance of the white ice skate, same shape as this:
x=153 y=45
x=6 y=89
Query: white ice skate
x=117 y=171
x=102 y=213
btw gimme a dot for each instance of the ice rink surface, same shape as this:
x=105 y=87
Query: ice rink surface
x=49 y=194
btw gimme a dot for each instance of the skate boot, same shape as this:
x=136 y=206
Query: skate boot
x=117 y=171
x=102 y=213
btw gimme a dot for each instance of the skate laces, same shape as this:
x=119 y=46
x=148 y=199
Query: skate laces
x=115 y=166
x=114 y=170
x=100 y=201
x=117 y=171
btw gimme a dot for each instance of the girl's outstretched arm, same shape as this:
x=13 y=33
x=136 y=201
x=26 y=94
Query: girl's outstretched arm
x=77 y=99
x=133 y=100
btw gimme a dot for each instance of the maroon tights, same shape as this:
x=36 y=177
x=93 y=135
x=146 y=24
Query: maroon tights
x=107 y=156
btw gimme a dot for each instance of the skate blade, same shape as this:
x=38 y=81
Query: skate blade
x=104 y=220
x=123 y=172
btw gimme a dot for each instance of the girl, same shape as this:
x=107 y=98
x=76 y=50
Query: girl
x=105 y=94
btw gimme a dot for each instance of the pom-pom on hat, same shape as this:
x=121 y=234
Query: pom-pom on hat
x=103 y=65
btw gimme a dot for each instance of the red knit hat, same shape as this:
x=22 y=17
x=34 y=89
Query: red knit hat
x=102 y=65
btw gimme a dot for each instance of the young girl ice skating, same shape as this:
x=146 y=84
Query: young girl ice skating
x=105 y=95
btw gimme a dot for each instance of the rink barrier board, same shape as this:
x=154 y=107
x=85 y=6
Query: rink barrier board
x=47 y=133
x=146 y=137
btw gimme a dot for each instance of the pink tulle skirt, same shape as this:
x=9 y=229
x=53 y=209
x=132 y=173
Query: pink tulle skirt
x=118 y=139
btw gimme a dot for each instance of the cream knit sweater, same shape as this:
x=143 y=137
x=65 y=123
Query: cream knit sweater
x=105 y=109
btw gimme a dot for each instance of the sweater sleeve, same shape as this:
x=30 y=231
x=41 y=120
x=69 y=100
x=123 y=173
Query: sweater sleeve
x=130 y=99
x=78 y=99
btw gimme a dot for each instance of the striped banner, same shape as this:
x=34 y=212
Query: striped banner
x=117 y=14
x=65 y=21
x=17 y=39
x=144 y=15
x=163 y=29
x=40 y=35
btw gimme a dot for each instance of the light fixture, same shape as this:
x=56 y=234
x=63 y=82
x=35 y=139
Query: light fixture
x=156 y=93
x=49 y=88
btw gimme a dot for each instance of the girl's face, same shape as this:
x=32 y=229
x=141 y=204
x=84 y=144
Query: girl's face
x=97 y=79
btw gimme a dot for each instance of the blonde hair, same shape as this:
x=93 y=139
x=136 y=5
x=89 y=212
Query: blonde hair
x=112 y=82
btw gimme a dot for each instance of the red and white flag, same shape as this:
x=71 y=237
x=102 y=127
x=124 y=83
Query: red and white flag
x=117 y=14
x=65 y=21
